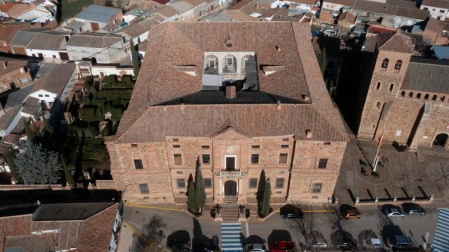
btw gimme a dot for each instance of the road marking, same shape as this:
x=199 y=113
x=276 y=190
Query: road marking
x=157 y=208
x=136 y=231
x=247 y=230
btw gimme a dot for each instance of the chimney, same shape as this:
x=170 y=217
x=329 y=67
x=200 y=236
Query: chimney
x=306 y=97
x=230 y=92
x=279 y=104
x=5 y=64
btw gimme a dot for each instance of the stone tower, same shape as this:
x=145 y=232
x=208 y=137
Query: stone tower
x=389 y=71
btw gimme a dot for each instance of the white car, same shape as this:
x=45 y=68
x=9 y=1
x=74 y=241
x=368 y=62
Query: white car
x=330 y=33
x=394 y=212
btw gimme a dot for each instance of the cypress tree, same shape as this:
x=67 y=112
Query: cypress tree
x=191 y=197
x=134 y=59
x=200 y=192
x=265 y=210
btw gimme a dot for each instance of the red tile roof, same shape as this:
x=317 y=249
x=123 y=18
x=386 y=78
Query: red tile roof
x=183 y=43
x=399 y=43
x=8 y=31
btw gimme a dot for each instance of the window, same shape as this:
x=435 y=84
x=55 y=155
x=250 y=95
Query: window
x=207 y=183
x=378 y=105
x=398 y=65
x=285 y=139
x=378 y=86
x=283 y=158
x=425 y=8
x=410 y=94
x=144 y=188
x=254 y=158
x=206 y=158
x=316 y=188
x=253 y=183
x=398 y=133
x=138 y=163
x=41 y=95
x=176 y=146
x=442 y=98
x=212 y=63
x=403 y=93
x=327 y=143
x=134 y=145
x=426 y=96
x=21 y=70
x=385 y=63
x=434 y=98
x=280 y=183
x=178 y=159
x=205 y=147
x=256 y=146
x=391 y=87
x=181 y=183
x=179 y=172
x=229 y=61
x=322 y=163
x=441 y=11
x=175 y=140
x=284 y=146
x=418 y=96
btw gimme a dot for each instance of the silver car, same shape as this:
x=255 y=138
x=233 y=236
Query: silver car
x=394 y=212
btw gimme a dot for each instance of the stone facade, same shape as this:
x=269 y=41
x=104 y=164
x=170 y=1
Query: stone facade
x=402 y=112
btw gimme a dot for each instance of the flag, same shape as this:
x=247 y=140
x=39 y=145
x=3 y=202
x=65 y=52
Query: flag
x=379 y=142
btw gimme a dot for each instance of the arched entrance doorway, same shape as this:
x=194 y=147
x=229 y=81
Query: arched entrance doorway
x=440 y=140
x=230 y=188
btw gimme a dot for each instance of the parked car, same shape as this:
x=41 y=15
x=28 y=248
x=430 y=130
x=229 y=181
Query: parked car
x=282 y=246
x=369 y=240
x=394 y=212
x=413 y=209
x=400 y=242
x=316 y=240
x=343 y=240
x=291 y=212
x=255 y=247
x=351 y=213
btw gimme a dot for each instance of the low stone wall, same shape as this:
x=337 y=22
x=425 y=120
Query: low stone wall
x=104 y=184
x=32 y=187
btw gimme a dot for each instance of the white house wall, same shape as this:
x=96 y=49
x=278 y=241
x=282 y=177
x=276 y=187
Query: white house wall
x=46 y=53
x=332 y=6
x=78 y=53
x=435 y=12
x=111 y=70
x=44 y=95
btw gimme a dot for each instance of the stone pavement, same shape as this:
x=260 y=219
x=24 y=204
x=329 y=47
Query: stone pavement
x=404 y=175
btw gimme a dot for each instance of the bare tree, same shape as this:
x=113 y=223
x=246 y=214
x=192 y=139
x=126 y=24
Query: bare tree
x=153 y=236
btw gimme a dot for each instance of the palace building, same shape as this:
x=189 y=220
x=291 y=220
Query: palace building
x=407 y=98
x=244 y=100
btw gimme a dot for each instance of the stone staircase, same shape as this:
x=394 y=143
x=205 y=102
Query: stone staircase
x=230 y=213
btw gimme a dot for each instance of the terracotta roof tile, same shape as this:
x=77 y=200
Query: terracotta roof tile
x=401 y=8
x=299 y=77
x=46 y=41
x=437 y=3
x=14 y=226
x=55 y=80
x=9 y=30
x=398 y=43
x=342 y=2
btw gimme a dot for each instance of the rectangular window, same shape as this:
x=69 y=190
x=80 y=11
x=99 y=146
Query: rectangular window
x=138 y=163
x=285 y=139
x=441 y=11
x=327 y=143
x=280 y=183
x=284 y=146
x=398 y=133
x=425 y=8
x=316 y=188
x=179 y=172
x=175 y=140
x=254 y=158
x=134 y=145
x=229 y=61
x=252 y=183
x=177 y=159
x=256 y=146
x=205 y=147
x=41 y=95
x=206 y=158
x=283 y=158
x=322 y=163
x=207 y=183
x=181 y=183
x=144 y=188
x=176 y=146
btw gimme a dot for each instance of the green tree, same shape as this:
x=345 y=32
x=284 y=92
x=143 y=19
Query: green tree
x=38 y=166
x=10 y=156
x=265 y=209
x=323 y=60
x=191 y=197
x=134 y=59
x=200 y=191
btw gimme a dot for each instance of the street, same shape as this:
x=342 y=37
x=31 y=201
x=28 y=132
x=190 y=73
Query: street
x=417 y=227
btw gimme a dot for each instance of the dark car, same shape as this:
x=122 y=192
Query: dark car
x=400 y=242
x=343 y=240
x=413 y=209
x=291 y=212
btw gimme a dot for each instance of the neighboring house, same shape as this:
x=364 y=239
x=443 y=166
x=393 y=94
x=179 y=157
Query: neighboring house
x=407 y=99
x=133 y=15
x=248 y=10
x=60 y=227
x=393 y=13
x=7 y=33
x=21 y=40
x=93 y=19
x=138 y=31
x=12 y=104
x=347 y=19
x=50 y=81
x=303 y=4
x=13 y=73
x=436 y=32
x=27 y=12
x=85 y=69
x=278 y=122
x=439 y=9
x=103 y=47
x=51 y=45
x=337 y=5
x=166 y=13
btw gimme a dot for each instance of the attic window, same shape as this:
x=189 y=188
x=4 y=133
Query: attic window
x=228 y=41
